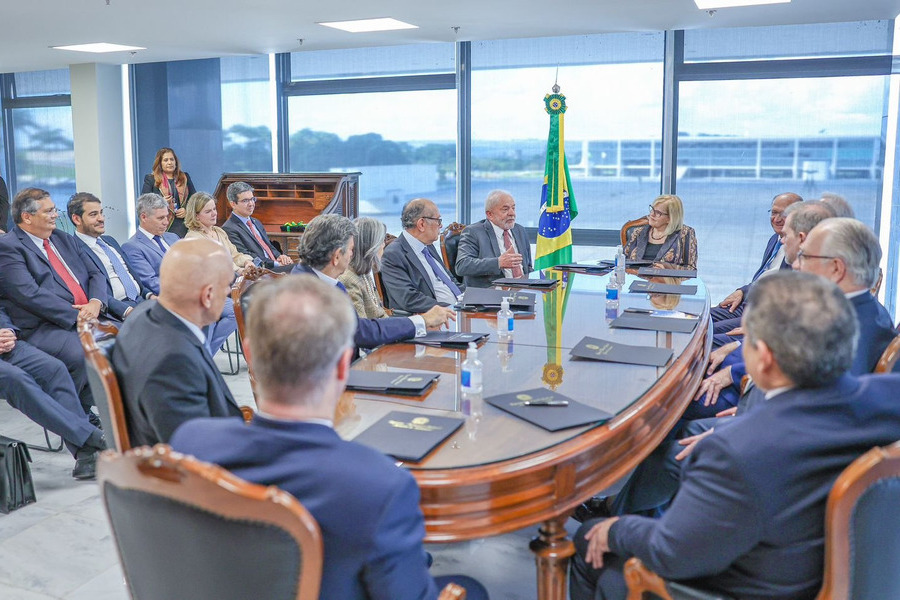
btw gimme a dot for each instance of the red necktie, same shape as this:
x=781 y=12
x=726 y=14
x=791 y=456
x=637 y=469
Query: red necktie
x=507 y=244
x=259 y=239
x=63 y=272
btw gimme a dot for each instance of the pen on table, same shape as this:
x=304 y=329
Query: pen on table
x=545 y=403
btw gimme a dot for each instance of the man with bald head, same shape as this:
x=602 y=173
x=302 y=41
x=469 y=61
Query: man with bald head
x=165 y=370
x=412 y=270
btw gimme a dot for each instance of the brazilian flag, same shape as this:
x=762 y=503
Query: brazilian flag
x=554 y=239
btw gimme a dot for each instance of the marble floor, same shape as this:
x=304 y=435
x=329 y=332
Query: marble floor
x=60 y=547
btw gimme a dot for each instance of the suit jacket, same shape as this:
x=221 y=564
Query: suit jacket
x=476 y=258
x=144 y=257
x=680 y=248
x=748 y=519
x=361 y=289
x=31 y=291
x=115 y=307
x=245 y=243
x=167 y=376
x=177 y=226
x=371 y=333
x=367 y=508
x=408 y=285
x=772 y=247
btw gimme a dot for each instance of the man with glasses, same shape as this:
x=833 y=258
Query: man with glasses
x=773 y=259
x=412 y=270
x=47 y=282
x=248 y=234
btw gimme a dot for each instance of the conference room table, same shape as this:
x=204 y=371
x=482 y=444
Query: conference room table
x=499 y=473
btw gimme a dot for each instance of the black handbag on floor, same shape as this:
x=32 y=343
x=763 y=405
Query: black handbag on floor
x=16 y=486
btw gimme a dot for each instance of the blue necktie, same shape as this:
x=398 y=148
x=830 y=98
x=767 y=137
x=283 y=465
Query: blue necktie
x=441 y=274
x=121 y=270
x=159 y=243
x=341 y=287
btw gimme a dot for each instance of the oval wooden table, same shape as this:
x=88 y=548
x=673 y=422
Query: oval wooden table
x=499 y=473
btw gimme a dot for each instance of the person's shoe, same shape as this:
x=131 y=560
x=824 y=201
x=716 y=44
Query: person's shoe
x=595 y=508
x=85 y=464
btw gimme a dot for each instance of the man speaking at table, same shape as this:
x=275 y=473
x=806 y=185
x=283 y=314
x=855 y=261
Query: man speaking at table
x=494 y=247
x=748 y=519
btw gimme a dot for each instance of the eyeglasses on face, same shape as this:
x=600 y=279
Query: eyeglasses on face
x=802 y=256
x=439 y=220
x=657 y=213
x=776 y=214
x=251 y=200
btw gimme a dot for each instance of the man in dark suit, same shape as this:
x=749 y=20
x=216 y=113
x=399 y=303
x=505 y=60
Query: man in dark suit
x=248 y=234
x=326 y=248
x=748 y=519
x=47 y=281
x=773 y=259
x=123 y=289
x=4 y=206
x=145 y=250
x=412 y=270
x=494 y=247
x=165 y=370
x=39 y=385
x=300 y=336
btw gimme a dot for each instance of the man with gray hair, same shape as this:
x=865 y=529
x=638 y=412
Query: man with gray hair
x=300 y=336
x=326 y=249
x=494 y=247
x=248 y=234
x=838 y=204
x=748 y=519
x=412 y=270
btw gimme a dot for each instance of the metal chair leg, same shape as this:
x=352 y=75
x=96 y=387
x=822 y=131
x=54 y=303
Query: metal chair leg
x=234 y=356
x=50 y=447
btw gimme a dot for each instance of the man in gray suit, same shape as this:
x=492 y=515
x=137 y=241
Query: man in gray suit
x=494 y=247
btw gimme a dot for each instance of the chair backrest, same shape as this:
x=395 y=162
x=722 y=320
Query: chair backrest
x=889 y=357
x=628 y=227
x=862 y=534
x=877 y=287
x=188 y=529
x=450 y=245
x=379 y=284
x=97 y=341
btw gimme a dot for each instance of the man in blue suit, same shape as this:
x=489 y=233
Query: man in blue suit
x=300 y=337
x=145 y=250
x=748 y=519
x=47 y=282
x=123 y=288
x=248 y=234
x=326 y=248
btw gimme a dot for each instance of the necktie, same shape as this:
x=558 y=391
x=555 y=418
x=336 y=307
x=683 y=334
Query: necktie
x=159 y=243
x=131 y=290
x=260 y=241
x=439 y=271
x=507 y=244
x=341 y=287
x=63 y=272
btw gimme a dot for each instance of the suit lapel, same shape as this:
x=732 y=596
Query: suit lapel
x=492 y=239
x=143 y=239
x=30 y=247
x=414 y=260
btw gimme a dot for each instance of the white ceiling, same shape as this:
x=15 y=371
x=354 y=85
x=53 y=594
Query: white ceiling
x=189 y=29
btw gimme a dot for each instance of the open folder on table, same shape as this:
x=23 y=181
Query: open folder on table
x=653 y=287
x=640 y=321
x=604 y=350
x=449 y=339
x=489 y=298
x=391 y=382
x=548 y=409
x=408 y=436
x=539 y=284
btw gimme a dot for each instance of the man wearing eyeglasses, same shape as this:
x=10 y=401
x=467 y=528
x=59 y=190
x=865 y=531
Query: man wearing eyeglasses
x=773 y=259
x=248 y=234
x=412 y=270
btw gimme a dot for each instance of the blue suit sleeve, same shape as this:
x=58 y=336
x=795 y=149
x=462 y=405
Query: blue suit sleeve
x=371 y=333
x=144 y=271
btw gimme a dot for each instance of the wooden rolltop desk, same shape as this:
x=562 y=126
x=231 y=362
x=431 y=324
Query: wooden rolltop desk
x=285 y=197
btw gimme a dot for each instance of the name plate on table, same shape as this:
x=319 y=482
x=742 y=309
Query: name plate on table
x=651 y=323
x=391 y=382
x=546 y=409
x=652 y=272
x=408 y=436
x=449 y=339
x=540 y=284
x=490 y=298
x=661 y=288
x=604 y=350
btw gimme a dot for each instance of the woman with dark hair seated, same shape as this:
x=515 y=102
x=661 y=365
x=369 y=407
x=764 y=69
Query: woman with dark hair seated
x=359 y=278
x=665 y=239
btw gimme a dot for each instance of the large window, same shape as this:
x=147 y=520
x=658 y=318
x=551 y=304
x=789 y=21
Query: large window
x=247 y=114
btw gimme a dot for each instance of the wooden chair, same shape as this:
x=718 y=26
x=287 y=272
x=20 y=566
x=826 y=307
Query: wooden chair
x=877 y=287
x=97 y=340
x=862 y=539
x=188 y=529
x=379 y=284
x=628 y=227
x=889 y=357
x=450 y=245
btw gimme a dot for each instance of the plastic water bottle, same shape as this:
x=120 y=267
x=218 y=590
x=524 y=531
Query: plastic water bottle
x=612 y=297
x=505 y=352
x=505 y=321
x=470 y=383
x=620 y=266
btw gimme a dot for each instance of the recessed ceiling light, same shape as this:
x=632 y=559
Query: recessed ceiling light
x=708 y=4
x=365 y=25
x=99 y=47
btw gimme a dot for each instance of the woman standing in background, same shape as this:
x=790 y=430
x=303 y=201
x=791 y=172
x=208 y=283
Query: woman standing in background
x=173 y=184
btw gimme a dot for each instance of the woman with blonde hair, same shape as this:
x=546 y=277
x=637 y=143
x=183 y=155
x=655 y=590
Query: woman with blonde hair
x=200 y=218
x=359 y=278
x=174 y=185
x=665 y=238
